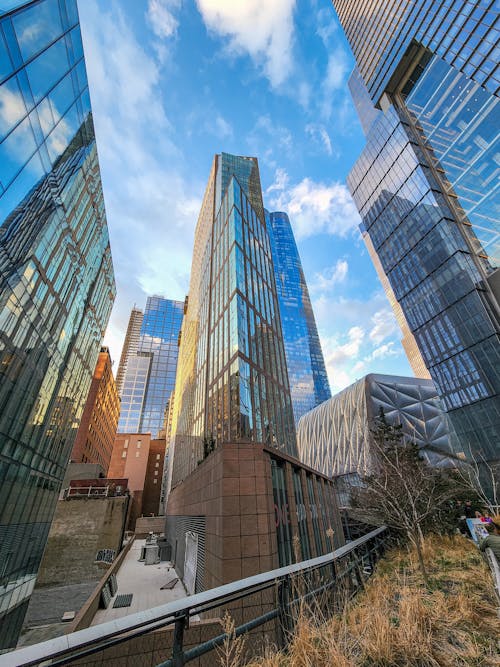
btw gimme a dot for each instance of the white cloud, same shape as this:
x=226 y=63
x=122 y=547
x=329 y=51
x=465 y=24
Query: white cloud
x=334 y=81
x=331 y=276
x=384 y=325
x=319 y=135
x=160 y=17
x=314 y=208
x=222 y=128
x=151 y=207
x=262 y=28
x=384 y=351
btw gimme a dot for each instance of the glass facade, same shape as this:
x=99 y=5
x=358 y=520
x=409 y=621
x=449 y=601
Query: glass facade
x=304 y=358
x=56 y=278
x=149 y=378
x=426 y=186
x=232 y=383
x=465 y=33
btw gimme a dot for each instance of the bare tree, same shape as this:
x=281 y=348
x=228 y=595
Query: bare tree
x=483 y=479
x=403 y=492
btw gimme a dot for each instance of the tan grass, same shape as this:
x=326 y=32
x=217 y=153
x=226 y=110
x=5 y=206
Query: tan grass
x=397 y=622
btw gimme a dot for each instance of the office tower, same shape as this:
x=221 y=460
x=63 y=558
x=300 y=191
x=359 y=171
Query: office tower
x=129 y=346
x=337 y=436
x=151 y=364
x=232 y=383
x=304 y=357
x=97 y=430
x=408 y=341
x=56 y=279
x=426 y=186
x=238 y=497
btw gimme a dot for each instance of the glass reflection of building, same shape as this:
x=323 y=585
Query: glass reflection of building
x=56 y=278
x=427 y=188
x=232 y=382
x=304 y=358
x=149 y=377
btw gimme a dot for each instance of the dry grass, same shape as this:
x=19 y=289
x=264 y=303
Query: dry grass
x=397 y=622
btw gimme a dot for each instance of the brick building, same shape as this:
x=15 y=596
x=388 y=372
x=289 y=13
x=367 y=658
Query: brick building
x=96 y=434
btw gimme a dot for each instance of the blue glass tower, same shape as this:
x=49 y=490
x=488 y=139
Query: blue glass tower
x=304 y=358
x=56 y=278
x=149 y=377
x=427 y=186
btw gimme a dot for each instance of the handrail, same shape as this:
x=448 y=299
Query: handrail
x=98 y=637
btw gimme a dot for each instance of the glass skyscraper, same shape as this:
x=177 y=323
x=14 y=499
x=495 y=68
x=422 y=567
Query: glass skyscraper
x=304 y=358
x=149 y=376
x=56 y=278
x=232 y=383
x=427 y=188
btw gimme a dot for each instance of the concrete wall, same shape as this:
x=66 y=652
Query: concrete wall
x=80 y=528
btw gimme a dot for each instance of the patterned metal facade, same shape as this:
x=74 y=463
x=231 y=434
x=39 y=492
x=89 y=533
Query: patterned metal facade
x=335 y=438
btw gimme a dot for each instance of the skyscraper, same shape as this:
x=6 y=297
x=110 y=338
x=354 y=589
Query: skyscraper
x=304 y=358
x=426 y=186
x=239 y=496
x=151 y=364
x=232 y=384
x=56 y=278
x=129 y=346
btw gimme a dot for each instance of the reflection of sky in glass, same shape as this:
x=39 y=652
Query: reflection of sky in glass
x=150 y=376
x=57 y=285
x=304 y=358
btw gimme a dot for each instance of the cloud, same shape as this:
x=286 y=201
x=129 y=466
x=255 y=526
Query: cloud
x=320 y=136
x=334 y=81
x=351 y=335
x=262 y=29
x=384 y=325
x=151 y=206
x=160 y=18
x=331 y=276
x=314 y=208
x=268 y=139
x=384 y=351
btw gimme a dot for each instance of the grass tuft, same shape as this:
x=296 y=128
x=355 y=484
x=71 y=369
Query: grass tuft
x=398 y=622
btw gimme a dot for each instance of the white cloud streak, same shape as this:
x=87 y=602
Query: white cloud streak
x=314 y=208
x=263 y=29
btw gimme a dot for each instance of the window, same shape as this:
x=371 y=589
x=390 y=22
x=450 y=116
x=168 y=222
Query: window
x=139 y=444
x=137 y=454
x=157 y=457
x=155 y=481
x=124 y=455
x=156 y=473
x=157 y=465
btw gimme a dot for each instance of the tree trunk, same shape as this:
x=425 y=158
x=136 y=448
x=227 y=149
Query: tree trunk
x=418 y=545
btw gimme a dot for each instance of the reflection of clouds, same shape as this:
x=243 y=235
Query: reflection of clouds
x=12 y=108
x=20 y=144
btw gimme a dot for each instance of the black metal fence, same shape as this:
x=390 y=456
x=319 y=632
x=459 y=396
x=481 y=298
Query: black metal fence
x=327 y=581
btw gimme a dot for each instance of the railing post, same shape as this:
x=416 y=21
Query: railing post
x=177 y=648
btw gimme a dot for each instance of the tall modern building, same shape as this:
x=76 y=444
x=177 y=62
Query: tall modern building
x=427 y=189
x=238 y=495
x=129 y=346
x=56 y=278
x=151 y=364
x=232 y=383
x=304 y=358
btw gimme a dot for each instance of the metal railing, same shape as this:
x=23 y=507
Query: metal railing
x=351 y=564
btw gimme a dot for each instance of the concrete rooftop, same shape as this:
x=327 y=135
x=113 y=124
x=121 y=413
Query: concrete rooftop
x=144 y=582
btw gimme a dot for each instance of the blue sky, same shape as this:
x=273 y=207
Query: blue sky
x=172 y=83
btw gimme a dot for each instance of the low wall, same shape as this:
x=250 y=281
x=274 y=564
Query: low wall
x=146 y=524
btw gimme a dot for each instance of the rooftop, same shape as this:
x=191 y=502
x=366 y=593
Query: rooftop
x=144 y=582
